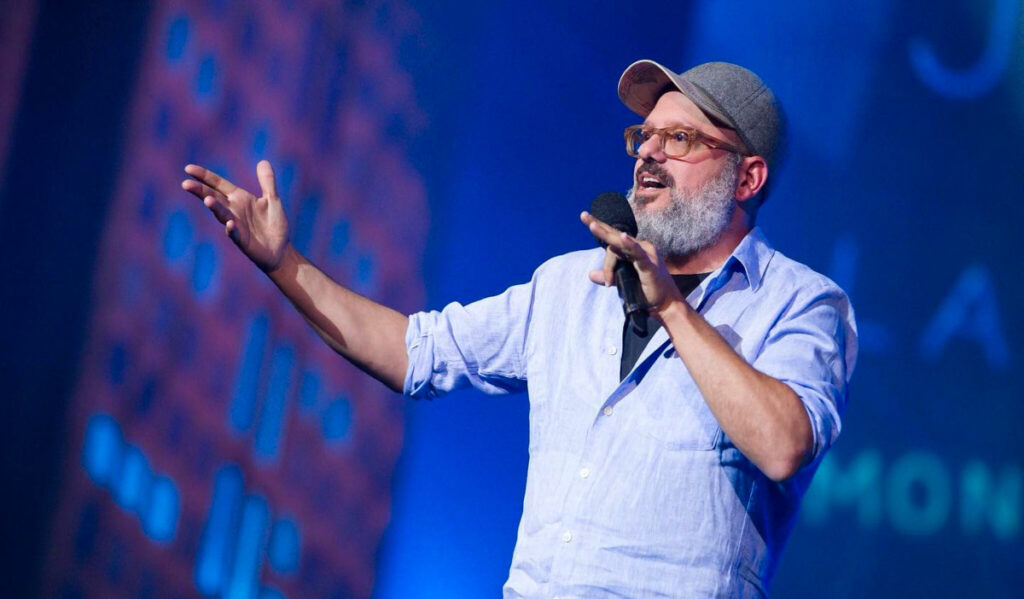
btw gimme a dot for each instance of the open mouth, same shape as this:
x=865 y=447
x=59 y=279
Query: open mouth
x=648 y=180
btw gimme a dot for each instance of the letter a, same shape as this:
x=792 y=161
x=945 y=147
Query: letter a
x=969 y=311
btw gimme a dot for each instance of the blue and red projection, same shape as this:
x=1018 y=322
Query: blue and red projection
x=217 y=446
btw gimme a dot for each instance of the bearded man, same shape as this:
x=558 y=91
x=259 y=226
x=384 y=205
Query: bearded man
x=667 y=463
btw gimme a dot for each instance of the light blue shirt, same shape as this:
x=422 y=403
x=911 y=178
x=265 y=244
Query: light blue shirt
x=633 y=490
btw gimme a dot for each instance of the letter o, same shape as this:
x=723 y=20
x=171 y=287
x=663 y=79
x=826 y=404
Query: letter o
x=907 y=515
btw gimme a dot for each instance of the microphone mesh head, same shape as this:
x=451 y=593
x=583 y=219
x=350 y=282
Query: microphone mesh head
x=612 y=208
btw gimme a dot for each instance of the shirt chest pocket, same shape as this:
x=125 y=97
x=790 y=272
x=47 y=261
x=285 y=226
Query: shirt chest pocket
x=670 y=409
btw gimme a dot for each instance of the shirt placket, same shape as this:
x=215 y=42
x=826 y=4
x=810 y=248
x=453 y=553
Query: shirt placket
x=571 y=539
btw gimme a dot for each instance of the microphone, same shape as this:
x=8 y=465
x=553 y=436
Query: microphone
x=612 y=208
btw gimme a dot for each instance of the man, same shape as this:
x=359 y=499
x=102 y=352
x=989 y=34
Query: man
x=669 y=464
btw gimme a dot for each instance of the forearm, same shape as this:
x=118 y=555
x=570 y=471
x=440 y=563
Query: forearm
x=763 y=416
x=368 y=334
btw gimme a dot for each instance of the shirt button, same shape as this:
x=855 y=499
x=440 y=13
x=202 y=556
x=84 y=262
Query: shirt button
x=566 y=536
x=607 y=410
x=584 y=472
x=612 y=350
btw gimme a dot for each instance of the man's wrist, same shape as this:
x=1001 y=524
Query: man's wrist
x=288 y=264
x=672 y=308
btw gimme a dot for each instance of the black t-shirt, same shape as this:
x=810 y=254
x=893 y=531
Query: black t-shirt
x=633 y=344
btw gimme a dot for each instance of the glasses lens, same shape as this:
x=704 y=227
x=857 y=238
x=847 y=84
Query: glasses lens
x=677 y=142
x=634 y=139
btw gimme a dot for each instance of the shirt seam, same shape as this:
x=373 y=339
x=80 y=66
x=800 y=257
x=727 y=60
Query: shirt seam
x=736 y=562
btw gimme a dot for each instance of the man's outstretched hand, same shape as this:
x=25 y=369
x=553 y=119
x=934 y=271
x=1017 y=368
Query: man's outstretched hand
x=257 y=225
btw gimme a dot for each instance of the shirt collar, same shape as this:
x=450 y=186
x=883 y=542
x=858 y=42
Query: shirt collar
x=753 y=254
x=751 y=257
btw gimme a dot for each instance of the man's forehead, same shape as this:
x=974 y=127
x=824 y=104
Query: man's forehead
x=674 y=108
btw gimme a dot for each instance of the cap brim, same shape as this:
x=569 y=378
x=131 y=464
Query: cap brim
x=644 y=81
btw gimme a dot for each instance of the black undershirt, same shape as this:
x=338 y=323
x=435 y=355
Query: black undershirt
x=633 y=344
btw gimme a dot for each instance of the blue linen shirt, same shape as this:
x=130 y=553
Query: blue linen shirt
x=632 y=489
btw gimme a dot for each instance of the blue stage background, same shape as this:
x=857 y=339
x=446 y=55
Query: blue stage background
x=902 y=183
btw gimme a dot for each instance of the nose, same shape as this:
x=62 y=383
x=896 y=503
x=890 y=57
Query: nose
x=651 y=150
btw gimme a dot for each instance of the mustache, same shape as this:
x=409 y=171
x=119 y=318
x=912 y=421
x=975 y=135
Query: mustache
x=653 y=168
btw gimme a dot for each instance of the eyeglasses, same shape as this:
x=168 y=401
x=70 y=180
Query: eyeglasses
x=676 y=142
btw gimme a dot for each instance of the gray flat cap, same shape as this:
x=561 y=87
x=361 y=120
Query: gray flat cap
x=730 y=95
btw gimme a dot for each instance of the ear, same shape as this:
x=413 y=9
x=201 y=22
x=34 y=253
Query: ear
x=752 y=175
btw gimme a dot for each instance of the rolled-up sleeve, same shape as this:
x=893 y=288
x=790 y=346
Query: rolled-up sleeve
x=813 y=349
x=481 y=344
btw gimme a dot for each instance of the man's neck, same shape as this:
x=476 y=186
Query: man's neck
x=709 y=258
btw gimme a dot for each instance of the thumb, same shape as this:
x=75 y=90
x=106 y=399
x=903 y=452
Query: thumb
x=265 y=174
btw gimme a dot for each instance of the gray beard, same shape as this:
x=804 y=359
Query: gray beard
x=692 y=221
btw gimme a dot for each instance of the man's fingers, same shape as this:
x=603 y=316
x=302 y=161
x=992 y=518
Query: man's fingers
x=210 y=178
x=617 y=247
x=608 y=270
x=201 y=190
x=218 y=209
x=633 y=251
x=600 y=230
x=231 y=229
x=265 y=174
x=212 y=199
x=622 y=244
